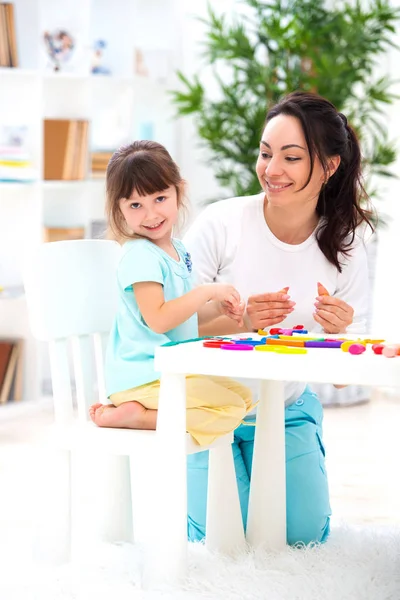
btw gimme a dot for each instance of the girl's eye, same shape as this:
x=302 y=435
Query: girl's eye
x=135 y=205
x=160 y=199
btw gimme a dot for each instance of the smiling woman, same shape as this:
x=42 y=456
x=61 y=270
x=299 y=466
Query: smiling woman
x=303 y=228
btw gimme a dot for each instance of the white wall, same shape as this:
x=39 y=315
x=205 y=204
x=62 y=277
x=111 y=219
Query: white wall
x=192 y=158
x=387 y=286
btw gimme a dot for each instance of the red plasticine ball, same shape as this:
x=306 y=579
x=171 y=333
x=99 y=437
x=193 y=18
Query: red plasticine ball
x=377 y=348
x=357 y=349
x=274 y=330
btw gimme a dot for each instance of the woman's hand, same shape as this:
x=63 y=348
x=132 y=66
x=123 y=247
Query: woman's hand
x=265 y=310
x=333 y=314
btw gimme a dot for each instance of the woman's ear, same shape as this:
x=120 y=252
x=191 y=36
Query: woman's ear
x=333 y=165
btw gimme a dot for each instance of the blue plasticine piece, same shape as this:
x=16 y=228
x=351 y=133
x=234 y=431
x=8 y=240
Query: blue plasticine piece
x=300 y=331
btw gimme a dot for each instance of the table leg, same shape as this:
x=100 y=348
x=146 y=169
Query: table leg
x=266 y=521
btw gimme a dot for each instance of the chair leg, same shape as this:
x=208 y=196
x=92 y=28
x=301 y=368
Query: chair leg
x=101 y=499
x=52 y=509
x=116 y=503
x=167 y=558
x=224 y=525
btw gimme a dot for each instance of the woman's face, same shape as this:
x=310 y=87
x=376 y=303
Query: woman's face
x=283 y=165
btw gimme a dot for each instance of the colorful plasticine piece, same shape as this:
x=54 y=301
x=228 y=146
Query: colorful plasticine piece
x=239 y=347
x=275 y=331
x=322 y=291
x=377 y=348
x=300 y=331
x=323 y=344
x=293 y=342
x=216 y=343
x=346 y=345
x=357 y=349
x=298 y=327
x=281 y=349
x=390 y=351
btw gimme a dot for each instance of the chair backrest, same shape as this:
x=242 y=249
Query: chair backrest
x=71 y=295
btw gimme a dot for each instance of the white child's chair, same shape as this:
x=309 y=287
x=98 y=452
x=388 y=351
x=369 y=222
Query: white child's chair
x=102 y=483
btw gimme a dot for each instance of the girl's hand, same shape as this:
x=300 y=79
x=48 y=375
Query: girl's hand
x=264 y=310
x=333 y=314
x=221 y=292
x=229 y=301
x=233 y=312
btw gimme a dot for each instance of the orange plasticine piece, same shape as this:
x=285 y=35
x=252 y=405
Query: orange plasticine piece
x=322 y=291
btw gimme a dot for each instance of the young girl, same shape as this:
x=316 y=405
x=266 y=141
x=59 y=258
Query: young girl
x=145 y=196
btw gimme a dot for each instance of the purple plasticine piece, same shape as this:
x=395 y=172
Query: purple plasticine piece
x=326 y=344
x=236 y=347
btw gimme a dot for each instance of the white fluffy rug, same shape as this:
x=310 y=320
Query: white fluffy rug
x=356 y=564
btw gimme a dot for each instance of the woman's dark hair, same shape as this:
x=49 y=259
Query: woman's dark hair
x=143 y=166
x=328 y=134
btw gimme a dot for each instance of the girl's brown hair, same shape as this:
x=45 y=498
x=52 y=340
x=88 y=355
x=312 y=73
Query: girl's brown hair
x=343 y=197
x=143 y=166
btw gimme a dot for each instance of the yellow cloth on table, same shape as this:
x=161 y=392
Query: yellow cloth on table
x=215 y=406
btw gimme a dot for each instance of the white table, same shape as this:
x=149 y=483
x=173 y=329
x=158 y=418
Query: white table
x=267 y=511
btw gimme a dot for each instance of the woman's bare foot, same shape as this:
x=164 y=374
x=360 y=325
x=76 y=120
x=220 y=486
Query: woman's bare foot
x=129 y=415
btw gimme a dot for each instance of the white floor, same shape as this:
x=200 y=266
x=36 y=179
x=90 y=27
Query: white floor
x=363 y=449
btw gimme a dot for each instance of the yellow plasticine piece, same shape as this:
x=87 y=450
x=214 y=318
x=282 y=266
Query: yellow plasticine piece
x=281 y=349
x=290 y=350
x=265 y=348
x=262 y=332
x=373 y=341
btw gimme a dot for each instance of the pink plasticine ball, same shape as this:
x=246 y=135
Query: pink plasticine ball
x=357 y=349
x=390 y=351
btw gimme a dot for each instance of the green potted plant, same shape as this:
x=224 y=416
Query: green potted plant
x=278 y=46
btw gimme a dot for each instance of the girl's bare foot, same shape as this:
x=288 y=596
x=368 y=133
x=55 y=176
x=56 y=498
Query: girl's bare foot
x=92 y=410
x=129 y=415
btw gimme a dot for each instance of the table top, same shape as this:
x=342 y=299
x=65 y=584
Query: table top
x=326 y=365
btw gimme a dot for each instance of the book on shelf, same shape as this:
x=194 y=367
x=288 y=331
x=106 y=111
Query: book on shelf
x=61 y=234
x=99 y=162
x=15 y=159
x=11 y=369
x=65 y=149
x=8 y=40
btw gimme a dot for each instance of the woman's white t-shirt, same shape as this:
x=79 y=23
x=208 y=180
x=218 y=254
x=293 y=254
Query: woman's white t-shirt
x=230 y=242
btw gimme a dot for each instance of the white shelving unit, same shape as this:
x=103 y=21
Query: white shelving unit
x=120 y=107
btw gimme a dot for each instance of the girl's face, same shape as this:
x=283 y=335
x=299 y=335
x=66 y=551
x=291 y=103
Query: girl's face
x=152 y=216
x=283 y=165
